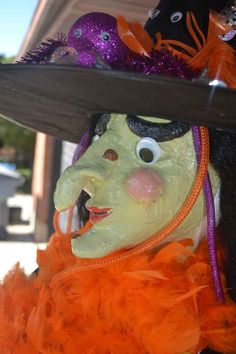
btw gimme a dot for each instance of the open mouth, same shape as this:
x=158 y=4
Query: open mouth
x=96 y=214
x=89 y=215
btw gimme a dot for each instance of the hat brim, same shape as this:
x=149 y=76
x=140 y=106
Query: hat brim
x=58 y=100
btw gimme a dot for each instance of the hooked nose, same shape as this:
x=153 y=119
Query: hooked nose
x=86 y=174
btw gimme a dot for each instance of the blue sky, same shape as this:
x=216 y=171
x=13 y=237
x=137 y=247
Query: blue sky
x=15 y=17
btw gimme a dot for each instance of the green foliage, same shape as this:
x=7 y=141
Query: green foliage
x=15 y=136
x=21 y=139
x=6 y=60
x=27 y=174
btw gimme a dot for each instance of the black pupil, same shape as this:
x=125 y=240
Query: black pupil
x=78 y=32
x=106 y=37
x=146 y=155
x=175 y=18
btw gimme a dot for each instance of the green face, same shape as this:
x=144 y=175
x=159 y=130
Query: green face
x=131 y=199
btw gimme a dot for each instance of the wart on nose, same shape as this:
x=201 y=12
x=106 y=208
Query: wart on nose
x=111 y=155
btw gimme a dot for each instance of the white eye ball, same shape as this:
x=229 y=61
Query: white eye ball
x=153 y=13
x=105 y=36
x=78 y=32
x=176 y=16
x=95 y=138
x=148 y=150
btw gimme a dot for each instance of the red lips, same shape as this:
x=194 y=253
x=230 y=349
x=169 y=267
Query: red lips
x=98 y=214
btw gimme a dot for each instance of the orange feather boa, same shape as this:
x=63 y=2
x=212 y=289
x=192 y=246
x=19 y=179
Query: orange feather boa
x=157 y=303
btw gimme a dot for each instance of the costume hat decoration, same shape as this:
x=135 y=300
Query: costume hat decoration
x=196 y=36
x=44 y=106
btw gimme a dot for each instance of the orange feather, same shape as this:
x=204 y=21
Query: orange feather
x=218 y=56
x=220 y=59
x=158 y=303
x=134 y=36
x=215 y=54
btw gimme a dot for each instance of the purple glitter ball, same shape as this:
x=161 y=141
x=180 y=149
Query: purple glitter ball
x=95 y=36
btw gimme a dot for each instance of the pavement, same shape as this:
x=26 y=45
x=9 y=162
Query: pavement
x=17 y=242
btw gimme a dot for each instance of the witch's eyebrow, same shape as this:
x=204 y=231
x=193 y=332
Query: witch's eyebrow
x=102 y=122
x=156 y=130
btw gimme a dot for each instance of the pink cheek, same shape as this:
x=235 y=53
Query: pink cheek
x=144 y=185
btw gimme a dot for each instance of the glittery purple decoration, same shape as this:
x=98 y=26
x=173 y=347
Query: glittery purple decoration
x=81 y=147
x=43 y=53
x=95 y=37
x=159 y=63
x=228 y=36
x=210 y=222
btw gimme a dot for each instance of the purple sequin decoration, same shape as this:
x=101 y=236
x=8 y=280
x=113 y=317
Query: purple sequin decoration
x=228 y=36
x=95 y=38
x=81 y=147
x=210 y=222
x=159 y=63
x=95 y=35
x=43 y=53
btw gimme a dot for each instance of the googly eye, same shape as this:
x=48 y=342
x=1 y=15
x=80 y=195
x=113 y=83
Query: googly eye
x=95 y=138
x=78 y=32
x=233 y=18
x=176 y=16
x=148 y=150
x=153 y=13
x=105 y=36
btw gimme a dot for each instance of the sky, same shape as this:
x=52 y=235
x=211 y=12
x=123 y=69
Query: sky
x=15 y=18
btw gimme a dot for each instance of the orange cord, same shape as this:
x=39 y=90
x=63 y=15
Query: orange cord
x=157 y=46
x=83 y=229
x=214 y=31
x=178 y=53
x=198 y=29
x=59 y=232
x=192 y=32
x=161 y=44
x=187 y=48
x=160 y=235
x=191 y=52
x=56 y=223
x=69 y=220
